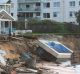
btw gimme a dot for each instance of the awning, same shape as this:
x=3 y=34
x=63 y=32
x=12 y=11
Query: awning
x=5 y=16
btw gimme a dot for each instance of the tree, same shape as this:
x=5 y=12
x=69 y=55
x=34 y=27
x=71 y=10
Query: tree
x=78 y=17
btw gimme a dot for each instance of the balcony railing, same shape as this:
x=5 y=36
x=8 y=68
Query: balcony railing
x=25 y=1
x=37 y=18
x=29 y=9
x=23 y=18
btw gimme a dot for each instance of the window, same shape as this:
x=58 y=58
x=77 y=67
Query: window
x=12 y=14
x=79 y=2
x=46 y=15
x=6 y=24
x=71 y=13
x=28 y=15
x=72 y=22
x=38 y=14
x=55 y=14
x=27 y=6
x=56 y=4
x=72 y=3
x=12 y=5
x=1 y=7
x=47 y=5
x=38 y=4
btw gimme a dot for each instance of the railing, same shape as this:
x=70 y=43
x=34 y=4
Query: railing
x=6 y=31
x=37 y=18
x=30 y=9
x=5 y=9
x=23 y=18
x=25 y=1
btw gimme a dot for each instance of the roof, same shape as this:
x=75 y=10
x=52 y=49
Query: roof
x=5 y=16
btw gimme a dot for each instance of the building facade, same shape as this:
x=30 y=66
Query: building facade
x=14 y=9
x=5 y=18
x=57 y=10
x=6 y=7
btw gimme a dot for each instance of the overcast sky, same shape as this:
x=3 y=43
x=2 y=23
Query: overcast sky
x=3 y=1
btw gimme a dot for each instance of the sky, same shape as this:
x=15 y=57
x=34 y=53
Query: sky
x=3 y=1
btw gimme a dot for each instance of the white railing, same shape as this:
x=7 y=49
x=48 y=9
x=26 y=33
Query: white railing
x=22 y=31
x=30 y=9
x=24 y=1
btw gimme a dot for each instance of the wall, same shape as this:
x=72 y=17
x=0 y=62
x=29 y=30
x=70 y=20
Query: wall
x=14 y=8
x=63 y=10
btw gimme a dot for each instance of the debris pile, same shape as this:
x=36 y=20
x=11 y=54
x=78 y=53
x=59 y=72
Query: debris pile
x=21 y=55
x=15 y=54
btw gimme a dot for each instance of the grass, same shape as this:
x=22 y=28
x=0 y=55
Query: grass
x=57 y=33
x=62 y=34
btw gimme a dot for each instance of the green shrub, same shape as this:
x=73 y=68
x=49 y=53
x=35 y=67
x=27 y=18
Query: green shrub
x=48 y=26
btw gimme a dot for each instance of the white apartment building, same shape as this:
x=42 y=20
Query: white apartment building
x=58 y=10
x=5 y=7
x=14 y=9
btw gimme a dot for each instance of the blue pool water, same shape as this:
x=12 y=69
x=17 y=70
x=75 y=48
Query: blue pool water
x=58 y=47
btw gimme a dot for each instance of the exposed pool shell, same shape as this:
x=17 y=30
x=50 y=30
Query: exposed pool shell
x=55 y=48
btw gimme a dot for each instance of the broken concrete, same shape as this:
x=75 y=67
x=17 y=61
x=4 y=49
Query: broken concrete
x=15 y=46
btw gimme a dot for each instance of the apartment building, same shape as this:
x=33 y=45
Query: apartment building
x=58 y=10
x=14 y=9
x=29 y=9
x=6 y=7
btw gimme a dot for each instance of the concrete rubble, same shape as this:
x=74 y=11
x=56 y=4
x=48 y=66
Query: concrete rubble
x=20 y=55
x=50 y=68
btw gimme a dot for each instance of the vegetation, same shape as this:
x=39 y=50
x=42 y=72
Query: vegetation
x=78 y=17
x=48 y=26
x=19 y=25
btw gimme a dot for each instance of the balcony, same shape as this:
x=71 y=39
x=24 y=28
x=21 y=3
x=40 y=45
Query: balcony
x=37 y=18
x=7 y=8
x=30 y=1
x=23 y=18
x=36 y=9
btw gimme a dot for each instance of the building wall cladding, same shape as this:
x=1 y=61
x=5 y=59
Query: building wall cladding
x=58 y=10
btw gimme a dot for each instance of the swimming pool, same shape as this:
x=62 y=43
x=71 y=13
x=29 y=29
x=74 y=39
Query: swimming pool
x=55 y=48
x=58 y=47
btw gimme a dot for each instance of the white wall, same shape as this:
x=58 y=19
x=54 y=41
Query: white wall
x=60 y=11
x=64 y=10
x=53 y=9
x=67 y=10
x=14 y=8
